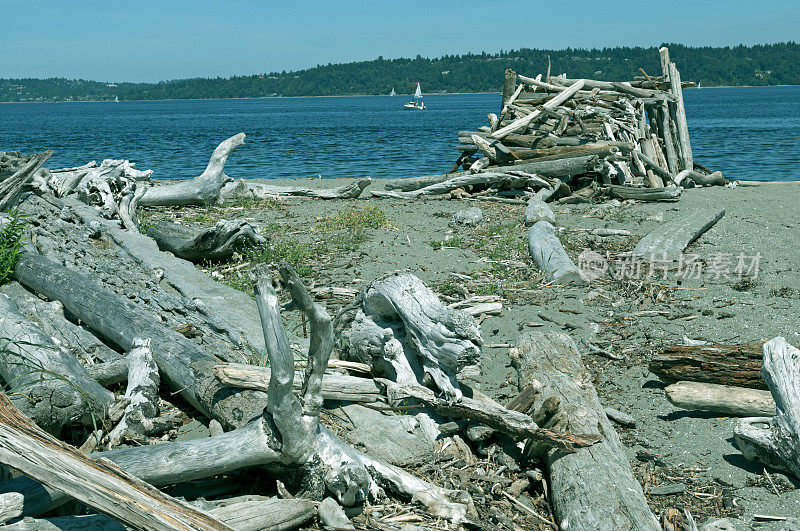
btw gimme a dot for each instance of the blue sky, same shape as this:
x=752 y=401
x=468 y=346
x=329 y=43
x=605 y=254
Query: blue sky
x=149 y=41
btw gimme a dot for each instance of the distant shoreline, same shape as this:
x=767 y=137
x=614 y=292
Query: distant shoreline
x=351 y=95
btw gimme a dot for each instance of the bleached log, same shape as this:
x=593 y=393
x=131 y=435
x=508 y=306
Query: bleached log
x=331 y=515
x=699 y=179
x=672 y=238
x=129 y=203
x=538 y=211
x=10 y=506
x=593 y=488
x=723 y=399
x=480 y=165
x=202 y=190
x=142 y=393
x=97 y=483
x=509 y=82
x=183 y=365
x=48 y=383
x=658 y=169
x=110 y=372
x=737 y=365
x=666 y=126
x=775 y=442
x=683 y=141
x=334 y=386
x=551 y=104
x=433 y=340
x=550 y=257
x=243 y=189
x=11 y=188
x=205 y=243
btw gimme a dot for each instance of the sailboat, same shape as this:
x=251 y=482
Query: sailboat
x=417 y=103
x=393 y=93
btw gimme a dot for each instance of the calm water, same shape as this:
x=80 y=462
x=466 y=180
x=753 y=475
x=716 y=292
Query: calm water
x=748 y=133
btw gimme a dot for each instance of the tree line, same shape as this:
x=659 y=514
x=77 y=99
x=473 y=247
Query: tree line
x=759 y=65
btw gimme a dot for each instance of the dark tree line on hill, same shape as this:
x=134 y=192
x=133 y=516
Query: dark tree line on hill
x=768 y=64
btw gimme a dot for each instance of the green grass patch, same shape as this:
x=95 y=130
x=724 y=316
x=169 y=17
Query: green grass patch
x=354 y=219
x=12 y=240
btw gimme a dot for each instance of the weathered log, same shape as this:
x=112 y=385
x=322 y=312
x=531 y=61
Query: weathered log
x=670 y=239
x=549 y=255
x=97 y=483
x=683 y=141
x=737 y=365
x=12 y=187
x=508 y=87
x=714 y=179
x=331 y=515
x=202 y=190
x=513 y=423
x=723 y=399
x=658 y=169
x=643 y=194
x=205 y=243
x=500 y=180
x=564 y=167
x=538 y=211
x=551 y=104
x=110 y=372
x=593 y=488
x=184 y=366
x=10 y=506
x=334 y=386
x=242 y=189
x=47 y=382
x=406 y=332
x=776 y=442
x=142 y=393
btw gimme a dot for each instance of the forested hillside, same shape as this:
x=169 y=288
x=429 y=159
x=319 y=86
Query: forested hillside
x=769 y=64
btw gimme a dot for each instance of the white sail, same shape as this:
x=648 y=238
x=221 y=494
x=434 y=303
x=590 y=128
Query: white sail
x=418 y=93
x=392 y=93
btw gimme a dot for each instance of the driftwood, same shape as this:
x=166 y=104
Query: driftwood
x=538 y=211
x=399 y=326
x=498 y=180
x=10 y=506
x=593 y=488
x=110 y=372
x=737 y=365
x=334 y=386
x=100 y=484
x=643 y=194
x=199 y=243
x=723 y=399
x=142 y=393
x=691 y=176
x=202 y=190
x=12 y=187
x=46 y=381
x=684 y=144
x=242 y=189
x=549 y=255
x=775 y=441
x=551 y=104
x=185 y=366
x=672 y=238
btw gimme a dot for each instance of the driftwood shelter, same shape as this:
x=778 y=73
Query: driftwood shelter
x=339 y=429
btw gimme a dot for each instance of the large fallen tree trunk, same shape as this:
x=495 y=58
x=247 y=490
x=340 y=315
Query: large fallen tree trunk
x=593 y=488
x=242 y=189
x=202 y=190
x=502 y=181
x=737 y=365
x=643 y=194
x=47 y=382
x=775 y=441
x=723 y=399
x=100 y=484
x=205 y=243
x=185 y=366
x=12 y=187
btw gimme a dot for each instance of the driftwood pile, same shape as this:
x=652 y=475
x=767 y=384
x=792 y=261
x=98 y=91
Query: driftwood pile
x=628 y=140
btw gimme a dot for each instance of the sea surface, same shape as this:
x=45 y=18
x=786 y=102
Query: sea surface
x=747 y=133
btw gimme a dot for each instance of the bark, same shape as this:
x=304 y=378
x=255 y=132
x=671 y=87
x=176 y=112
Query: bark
x=594 y=487
x=97 y=483
x=736 y=365
x=202 y=190
x=46 y=381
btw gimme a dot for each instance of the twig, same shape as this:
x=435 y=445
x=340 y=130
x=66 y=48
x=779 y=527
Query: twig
x=528 y=510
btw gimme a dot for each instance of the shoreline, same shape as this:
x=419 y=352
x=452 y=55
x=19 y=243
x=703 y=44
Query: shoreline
x=350 y=95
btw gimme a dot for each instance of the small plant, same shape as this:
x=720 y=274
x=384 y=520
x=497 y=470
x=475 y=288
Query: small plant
x=290 y=250
x=12 y=232
x=355 y=219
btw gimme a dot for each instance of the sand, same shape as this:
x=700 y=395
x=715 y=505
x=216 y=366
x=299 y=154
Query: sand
x=668 y=445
